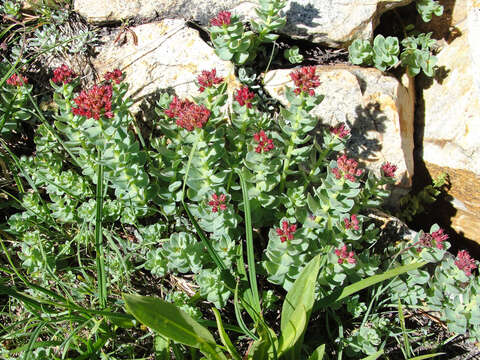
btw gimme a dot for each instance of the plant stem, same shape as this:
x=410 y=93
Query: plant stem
x=102 y=284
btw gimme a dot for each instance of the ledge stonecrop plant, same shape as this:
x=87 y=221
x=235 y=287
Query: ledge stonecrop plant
x=233 y=42
x=416 y=55
x=13 y=102
x=179 y=202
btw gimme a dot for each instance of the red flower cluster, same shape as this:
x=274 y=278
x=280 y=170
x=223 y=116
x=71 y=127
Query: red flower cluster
x=244 y=97
x=264 y=143
x=346 y=168
x=188 y=114
x=429 y=240
x=465 y=262
x=345 y=256
x=305 y=80
x=115 y=75
x=95 y=102
x=63 y=74
x=351 y=223
x=207 y=79
x=341 y=131
x=388 y=170
x=17 y=80
x=287 y=231
x=222 y=18
x=218 y=202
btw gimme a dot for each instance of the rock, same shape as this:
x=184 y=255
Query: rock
x=377 y=108
x=336 y=23
x=331 y=22
x=450 y=114
x=107 y=11
x=168 y=54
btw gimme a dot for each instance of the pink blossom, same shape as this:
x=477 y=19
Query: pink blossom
x=287 y=231
x=346 y=168
x=17 y=80
x=465 y=262
x=340 y=130
x=223 y=18
x=345 y=256
x=305 y=80
x=218 y=202
x=244 y=97
x=207 y=79
x=95 y=102
x=351 y=223
x=264 y=143
x=115 y=75
x=63 y=74
x=188 y=115
x=388 y=170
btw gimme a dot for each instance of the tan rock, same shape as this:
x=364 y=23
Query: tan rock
x=167 y=55
x=377 y=108
x=450 y=111
x=332 y=22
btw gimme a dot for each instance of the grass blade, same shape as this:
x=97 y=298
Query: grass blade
x=102 y=284
x=342 y=293
x=249 y=237
x=224 y=336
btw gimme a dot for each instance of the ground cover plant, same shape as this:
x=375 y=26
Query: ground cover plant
x=249 y=230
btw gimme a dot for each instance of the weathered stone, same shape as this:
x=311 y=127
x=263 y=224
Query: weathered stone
x=377 y=108
x=336 y=22
x=167 y=55
x=331 y=22
x=450 y=113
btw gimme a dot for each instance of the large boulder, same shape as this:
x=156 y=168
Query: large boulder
x=378 y=108
x=164 y=55
x=331 y=22
x=449 y=113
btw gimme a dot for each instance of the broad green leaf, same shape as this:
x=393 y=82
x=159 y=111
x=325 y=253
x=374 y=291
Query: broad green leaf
x=264 y=348
x=292 y=332
x=171 y=322
x=365 y=283
x=302 y=292
x=318 y=354
x=224 y=337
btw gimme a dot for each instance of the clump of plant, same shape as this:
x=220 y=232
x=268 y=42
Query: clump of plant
x=415 y=55
x=415 y=204
x=14 y=101
x=428 y=8
x=210 y=203
x=233 y=42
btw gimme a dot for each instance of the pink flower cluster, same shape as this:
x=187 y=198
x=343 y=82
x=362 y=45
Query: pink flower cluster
x=264 y=143
x=434 y=239
x=222 y=18
x=388 y=170
x=218 y=202
x=305 y=80
x=188 y=115
x=465 y=262
x=340 y=130
x=95 y=102
x=17 y=80
x=287 y=231
x=115 y=75
x=207 y=79
x=346 y=168
x=63 y=74
x=344 y=255
x=244 y=97
x=351 y=223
